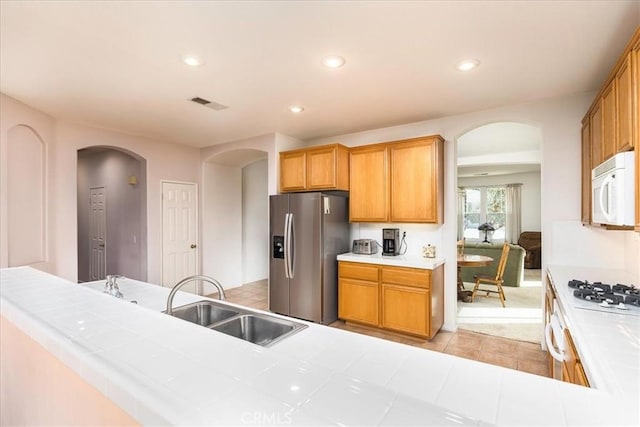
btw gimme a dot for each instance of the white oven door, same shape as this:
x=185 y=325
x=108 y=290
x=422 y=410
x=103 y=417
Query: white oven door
x=556 y=346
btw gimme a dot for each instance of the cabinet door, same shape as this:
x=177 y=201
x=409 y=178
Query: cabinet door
x=596 y=134
x=358 y=301
x=572 y=370
x=609 y=121
x=293 y=168
x=368 y=194
x=586 y=173
x=327 y=168
x=416 y=181
x=321 y=168
x=624 y=106
x=406 y=309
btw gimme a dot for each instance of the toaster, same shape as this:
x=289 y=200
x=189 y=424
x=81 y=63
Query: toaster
x=365 y=246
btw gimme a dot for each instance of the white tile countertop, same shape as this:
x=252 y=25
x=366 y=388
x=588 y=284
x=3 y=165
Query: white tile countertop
x=608 y=344
x=398 y=261
x=162 y=370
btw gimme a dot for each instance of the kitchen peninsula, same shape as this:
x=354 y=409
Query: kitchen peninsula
x=158 y=369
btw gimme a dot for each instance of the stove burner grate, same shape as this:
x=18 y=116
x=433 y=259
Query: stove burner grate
x=632 y=300
x=624 y=289
x=594 y=296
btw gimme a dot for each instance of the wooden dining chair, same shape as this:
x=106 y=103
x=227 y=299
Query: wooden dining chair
x=491 y=280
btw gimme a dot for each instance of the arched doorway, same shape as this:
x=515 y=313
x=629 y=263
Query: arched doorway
x=235 y=211
x=112 y=214
x=495 y=161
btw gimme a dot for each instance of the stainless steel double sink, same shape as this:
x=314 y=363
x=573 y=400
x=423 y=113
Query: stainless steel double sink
x=258 y=328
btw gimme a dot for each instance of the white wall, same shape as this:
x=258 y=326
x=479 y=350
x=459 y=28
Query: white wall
x=531 y=198
x=164 y=161
x=210 y=222
x=14 y=113
x=255 y=222
x=559 y=121
x=222 y=224
x=266 y=143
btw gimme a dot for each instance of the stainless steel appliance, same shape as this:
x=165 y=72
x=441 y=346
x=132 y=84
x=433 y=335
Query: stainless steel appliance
x=365 y=246
x=390 y=241
x=613 y=198
x=307 y=232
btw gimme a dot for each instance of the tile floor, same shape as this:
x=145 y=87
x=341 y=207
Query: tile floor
x=519 y=355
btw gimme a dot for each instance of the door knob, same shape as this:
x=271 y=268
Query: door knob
x=194 y=246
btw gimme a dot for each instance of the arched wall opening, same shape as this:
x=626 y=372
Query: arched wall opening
x=494 y=155
x=491 y=157
x=235 y=217
x=112 y=213
x=27 y=197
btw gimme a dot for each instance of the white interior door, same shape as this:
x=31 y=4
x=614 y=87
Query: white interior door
x=179 y=232
x=97 y=234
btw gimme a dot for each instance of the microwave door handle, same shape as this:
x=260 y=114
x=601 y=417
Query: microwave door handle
x=604 y=204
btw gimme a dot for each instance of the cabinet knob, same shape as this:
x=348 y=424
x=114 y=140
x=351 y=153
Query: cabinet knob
x=193 y=246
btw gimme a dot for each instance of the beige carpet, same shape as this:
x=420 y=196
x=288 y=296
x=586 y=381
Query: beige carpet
x=521 y=319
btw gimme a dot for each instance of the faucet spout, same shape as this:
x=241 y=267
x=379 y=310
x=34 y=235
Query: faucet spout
x=186 y=280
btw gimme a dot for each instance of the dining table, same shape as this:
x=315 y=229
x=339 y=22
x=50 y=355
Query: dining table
x=469 y=260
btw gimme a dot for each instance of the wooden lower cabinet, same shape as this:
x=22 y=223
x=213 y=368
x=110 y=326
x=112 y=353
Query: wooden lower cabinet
x=572 y=369
x=358 y=301
x=400 y=299
x=406 y=309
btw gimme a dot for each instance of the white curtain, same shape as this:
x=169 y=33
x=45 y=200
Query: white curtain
x=513 y=203
x=461 y=208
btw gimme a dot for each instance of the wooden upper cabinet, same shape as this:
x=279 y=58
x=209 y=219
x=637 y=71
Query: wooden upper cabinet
x=399 y=181
x=416 y=178
x=316 y=168
x=609 y=121
x=586 y=172
x=614 y=117
x=369 y=188
x=328 y=168
x=293 y=171
x=624 y=106
x=595 y=120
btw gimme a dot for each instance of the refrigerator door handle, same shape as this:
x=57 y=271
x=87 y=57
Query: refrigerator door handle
x=286 y=245
x=291 y=247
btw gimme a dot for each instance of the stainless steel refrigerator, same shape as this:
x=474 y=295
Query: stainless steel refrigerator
x=307 y=232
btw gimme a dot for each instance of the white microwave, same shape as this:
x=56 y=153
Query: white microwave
x=613 y=191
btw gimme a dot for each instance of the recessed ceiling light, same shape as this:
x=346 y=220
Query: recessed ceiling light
x=333 y=61
x=296 y=109
x=467 y=64
x=192 y=60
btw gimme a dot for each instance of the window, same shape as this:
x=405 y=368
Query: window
x=484 y=205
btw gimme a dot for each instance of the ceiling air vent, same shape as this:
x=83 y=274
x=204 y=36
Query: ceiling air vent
x=209 y=104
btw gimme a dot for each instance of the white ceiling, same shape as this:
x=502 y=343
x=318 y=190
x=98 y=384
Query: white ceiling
x=117 y=65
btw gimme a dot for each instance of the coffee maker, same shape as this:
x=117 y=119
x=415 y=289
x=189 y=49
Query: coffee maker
x=390 y=241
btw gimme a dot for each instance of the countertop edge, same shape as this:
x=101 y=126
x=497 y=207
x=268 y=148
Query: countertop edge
x=397 y=261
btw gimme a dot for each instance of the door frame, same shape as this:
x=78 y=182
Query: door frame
x=196 y=226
